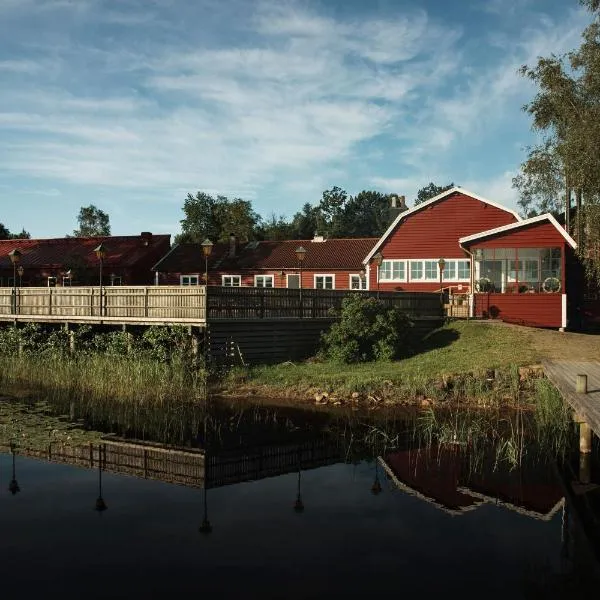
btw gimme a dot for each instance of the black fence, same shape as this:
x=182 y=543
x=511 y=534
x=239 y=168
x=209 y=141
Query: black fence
x=283 y=303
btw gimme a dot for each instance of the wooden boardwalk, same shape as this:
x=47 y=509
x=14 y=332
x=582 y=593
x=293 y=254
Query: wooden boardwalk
x=563 y=373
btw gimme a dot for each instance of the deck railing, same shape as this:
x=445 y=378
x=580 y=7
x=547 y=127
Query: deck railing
x=188 y=304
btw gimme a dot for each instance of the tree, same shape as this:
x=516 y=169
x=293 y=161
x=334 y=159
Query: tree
x=431 y=191
x=216 y=218
x=275 y=228
x=565 y=165
x=92 y=222
x=5 y=234
x=365 y=215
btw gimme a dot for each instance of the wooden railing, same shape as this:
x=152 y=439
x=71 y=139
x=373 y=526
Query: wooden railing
x=269 y=303
x=125 y=303
x=178 y=304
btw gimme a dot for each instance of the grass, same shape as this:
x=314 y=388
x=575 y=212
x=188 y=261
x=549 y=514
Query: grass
x=461 y=348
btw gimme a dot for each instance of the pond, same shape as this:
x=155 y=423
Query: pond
x=299 y=504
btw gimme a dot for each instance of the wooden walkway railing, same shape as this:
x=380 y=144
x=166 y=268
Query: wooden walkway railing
x=177 y=304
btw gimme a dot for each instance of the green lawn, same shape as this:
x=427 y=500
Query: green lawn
x=459 y=348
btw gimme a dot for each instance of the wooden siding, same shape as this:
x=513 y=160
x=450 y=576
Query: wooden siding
x=537 y=235
x=535 y=310
x=342 y=278
x=433 y=233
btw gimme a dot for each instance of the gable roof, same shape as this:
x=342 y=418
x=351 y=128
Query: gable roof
x=346 y=253
x=524 y=223
x=121 y=251
x=442 y=196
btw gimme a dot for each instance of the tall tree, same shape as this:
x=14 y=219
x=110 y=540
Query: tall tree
x=275 y=228
x=216 y=218
x=5 y=234
x=92 y=221
x=431 y=190
x=365 y=215
x=565 y=165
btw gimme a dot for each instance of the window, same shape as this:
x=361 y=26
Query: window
x=392 y=270
x=431 y=270
x=464 y=270
x=66 y=281
x=51 y=281
x=186 y=280
x=416 y=269
x=117 y=280
x=293 y=281
x=324 y=282
x=358 y=283
x=449 y=273
x=231 y=280
x=264 y=281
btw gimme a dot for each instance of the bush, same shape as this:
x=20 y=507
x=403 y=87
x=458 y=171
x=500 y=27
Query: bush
x=367 y=330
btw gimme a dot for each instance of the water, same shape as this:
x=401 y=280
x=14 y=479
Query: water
x=442 y=523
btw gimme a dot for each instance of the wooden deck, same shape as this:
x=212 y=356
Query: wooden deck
x=563 y=373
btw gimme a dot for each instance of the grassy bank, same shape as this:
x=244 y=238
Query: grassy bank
x=460 y=360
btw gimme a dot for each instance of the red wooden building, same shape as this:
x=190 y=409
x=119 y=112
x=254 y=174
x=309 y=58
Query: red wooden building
x=327 y=264
x=72 y=261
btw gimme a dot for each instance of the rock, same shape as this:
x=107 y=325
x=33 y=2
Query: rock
x=355 y=395
x=426 y=402
x=321 y=397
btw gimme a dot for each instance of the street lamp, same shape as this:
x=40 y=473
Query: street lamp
x=363 y=279
x=442 y=265
x=15 y=258
x=378 y=261
x=100 y=251
x=207 y=247
x=20 y=271
x=300 y=256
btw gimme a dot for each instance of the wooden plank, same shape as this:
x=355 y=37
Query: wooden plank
x=563 y=375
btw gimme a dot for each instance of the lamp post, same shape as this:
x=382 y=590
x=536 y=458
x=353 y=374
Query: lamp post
x=20 y=271
x=378 y=261
x=15 y=258
x=441 y=265
x=363 y=279
x=207 y=247
x=13 y=486
x=100 y=251
x=300 y=255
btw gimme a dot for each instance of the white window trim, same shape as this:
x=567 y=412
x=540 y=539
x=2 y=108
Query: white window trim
x=332 y=275
x=400 y=279
x=271 y=277
x=455 y=279
x=363 y=281
x=409 y=270
x=196 y=275
x=223 y=280
x=287 y=279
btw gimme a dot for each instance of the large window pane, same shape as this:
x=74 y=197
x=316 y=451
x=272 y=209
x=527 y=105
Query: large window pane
x=450 y=271
x=416 y=270
x=431 y=269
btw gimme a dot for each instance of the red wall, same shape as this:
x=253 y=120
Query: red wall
x=342 y=278
x=434 y=233
x=536 y=310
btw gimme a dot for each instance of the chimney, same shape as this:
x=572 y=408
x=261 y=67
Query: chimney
x=397 y=205
x=232 y=245
x=146 y=238
x=318 y=238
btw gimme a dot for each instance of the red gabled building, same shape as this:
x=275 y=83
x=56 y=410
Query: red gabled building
x=327 y=264
x=72 y=261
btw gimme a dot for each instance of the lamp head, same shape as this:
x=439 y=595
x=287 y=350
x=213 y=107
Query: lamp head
x=15 y=256
x=100 y=251
x=378 y=259
x=441 y=264
x=300 y=253
x=207 y=247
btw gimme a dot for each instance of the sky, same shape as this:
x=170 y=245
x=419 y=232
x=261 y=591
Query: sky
x=132 y=104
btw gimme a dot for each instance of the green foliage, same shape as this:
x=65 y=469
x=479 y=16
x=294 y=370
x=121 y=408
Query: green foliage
x=367 y=330
x=92 y=221
x=5 y=234
x=430 y=191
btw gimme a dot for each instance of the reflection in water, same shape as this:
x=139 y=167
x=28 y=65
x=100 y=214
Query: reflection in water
x=13 y=486
x=457 y=510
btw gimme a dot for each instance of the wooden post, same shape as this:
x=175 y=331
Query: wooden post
x=585 y=467
x=581 y=384
x=585 y=438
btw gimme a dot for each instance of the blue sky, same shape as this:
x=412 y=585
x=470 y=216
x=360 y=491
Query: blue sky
x=130 y=104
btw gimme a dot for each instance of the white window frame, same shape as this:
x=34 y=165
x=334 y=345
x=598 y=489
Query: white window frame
x=232 y=277
x=362 y=281
x=393 y=260
x=50 y=279
x=332 y=275
x=287 y=280
x=189 y=278
x=264 y=277
x=410 y=264
x=466 y=260
x=436 y=267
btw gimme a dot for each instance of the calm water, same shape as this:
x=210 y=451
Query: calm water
x=438 y=526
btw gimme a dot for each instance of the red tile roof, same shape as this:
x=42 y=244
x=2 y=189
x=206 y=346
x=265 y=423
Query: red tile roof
x=121 y=251
x=347 y=253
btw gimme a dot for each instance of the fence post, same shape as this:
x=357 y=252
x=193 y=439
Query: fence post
x=49 y=301
x=146 y=301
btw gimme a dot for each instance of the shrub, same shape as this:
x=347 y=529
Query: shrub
x=367 y=330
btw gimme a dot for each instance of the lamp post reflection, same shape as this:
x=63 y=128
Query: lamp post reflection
x=13 y=486
x=299 y=504
x=100 y=505
x=376 y=488
x=205 y=526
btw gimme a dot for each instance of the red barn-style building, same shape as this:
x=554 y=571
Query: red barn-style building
x=72 y=261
